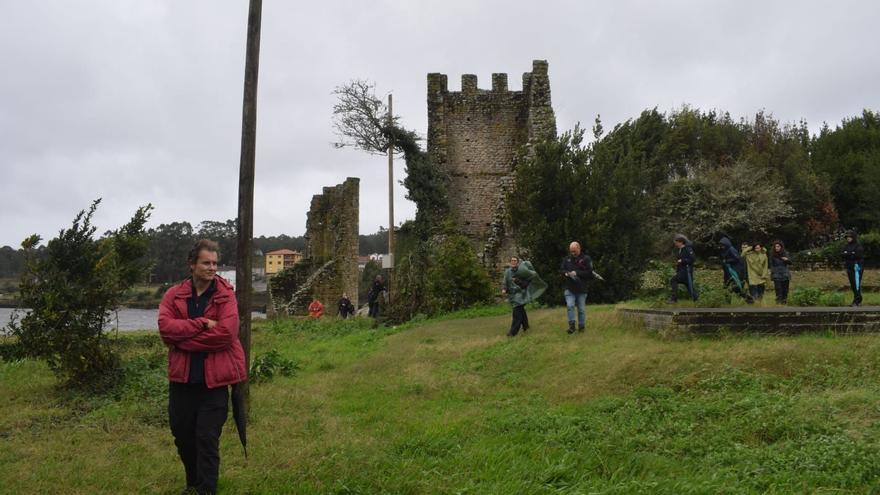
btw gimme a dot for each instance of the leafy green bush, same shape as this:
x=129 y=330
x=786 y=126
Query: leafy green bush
x=71 y=290
x=456 y=279
x=871 y=242
x=714 y=298
x=833 y=299
x=656 y=278
x=805 y=296
x=267 y=366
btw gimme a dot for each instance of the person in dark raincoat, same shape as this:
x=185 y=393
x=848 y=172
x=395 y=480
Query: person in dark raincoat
x=854 y=257
x=521 y=285
x=684 y=268
x=345 y=307
x=779 y=271
x=373 y=295
x=577 y=268
x=734 y=269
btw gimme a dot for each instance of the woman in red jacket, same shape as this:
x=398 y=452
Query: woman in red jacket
x=198 y=321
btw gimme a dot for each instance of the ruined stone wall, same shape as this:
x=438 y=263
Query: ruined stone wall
x=332 y=235
x=329 y=266
x=476 y=135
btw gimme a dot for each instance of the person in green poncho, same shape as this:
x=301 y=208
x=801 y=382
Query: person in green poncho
x=521 y=285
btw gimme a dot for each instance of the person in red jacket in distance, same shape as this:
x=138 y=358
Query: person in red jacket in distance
x=198 y=321
x=316 y=309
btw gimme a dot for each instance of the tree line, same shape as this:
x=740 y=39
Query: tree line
x=700 y=173
x=169 y=243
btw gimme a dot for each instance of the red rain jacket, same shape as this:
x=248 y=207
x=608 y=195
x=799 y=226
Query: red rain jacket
x=224 y=363
x=316 y=309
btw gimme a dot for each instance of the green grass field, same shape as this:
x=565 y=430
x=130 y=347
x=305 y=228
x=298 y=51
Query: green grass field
x=453 y=406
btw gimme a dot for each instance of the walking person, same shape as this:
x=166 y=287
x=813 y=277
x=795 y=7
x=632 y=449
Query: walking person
x=854 y=257
x=758 y=268
x=344 y=306
x=198 y=321
x=684 y=268
x=373 y=295
x=577 y=268
x=521 y=285
x=732 y=266
x=779 y=271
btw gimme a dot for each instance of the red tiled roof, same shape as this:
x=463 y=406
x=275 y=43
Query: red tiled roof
x=283 y=251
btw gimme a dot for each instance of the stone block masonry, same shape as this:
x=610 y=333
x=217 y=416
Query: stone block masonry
x=329 y=266
x=476 y=135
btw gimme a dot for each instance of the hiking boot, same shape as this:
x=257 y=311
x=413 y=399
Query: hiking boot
x=570 y=327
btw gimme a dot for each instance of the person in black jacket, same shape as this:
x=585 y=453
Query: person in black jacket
x=734 y=270
x=376 y=290
x=854 y=257
x=345 y=307
x=779 y=271
x=577 y=268
x=684 y=268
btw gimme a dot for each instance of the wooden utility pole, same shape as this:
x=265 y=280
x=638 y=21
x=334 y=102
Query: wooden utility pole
x=390 y=181
x=390 y=193
x=243 y=265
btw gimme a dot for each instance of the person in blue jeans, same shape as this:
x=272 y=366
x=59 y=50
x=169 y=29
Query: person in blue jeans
x=577 y=268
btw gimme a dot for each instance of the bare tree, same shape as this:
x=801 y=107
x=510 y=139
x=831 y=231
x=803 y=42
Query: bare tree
x=361 y=119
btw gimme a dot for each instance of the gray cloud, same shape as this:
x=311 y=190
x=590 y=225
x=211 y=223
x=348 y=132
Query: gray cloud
x=140 y=102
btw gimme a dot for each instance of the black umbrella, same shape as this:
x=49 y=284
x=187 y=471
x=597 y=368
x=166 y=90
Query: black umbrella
x=239 y=413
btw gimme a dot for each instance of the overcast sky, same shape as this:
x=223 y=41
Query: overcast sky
x=139 y=101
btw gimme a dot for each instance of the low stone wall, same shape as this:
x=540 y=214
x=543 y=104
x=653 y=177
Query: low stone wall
x=755 y=320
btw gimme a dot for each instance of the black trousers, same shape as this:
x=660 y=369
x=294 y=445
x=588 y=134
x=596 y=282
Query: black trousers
x=520 y=320
x=856 y=286
x=196 y=414
x=374 y=309
x=685 y=277
x=781 y=288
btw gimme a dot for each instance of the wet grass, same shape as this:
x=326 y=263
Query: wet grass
x=453 y=406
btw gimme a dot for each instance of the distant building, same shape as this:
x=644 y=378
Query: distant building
x=280 y=259
x=362 y=262
x=227 y=272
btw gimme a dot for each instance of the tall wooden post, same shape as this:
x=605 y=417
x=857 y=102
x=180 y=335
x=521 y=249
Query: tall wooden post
x=243 y=265
x=390 y=194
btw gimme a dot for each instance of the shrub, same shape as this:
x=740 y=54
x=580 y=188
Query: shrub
x=805 y=296
x=71 y=290
x=456 y=279
x=267 y=366
x=714 y=298
x=833 y=299
x=656 y=277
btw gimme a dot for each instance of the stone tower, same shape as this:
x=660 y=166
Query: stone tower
x=476 y=136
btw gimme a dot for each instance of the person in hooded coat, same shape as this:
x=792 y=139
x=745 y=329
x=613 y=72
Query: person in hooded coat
x=684 y=268
x=779 y=271
x=758 y=268
x=521 y=285
x=733 y=268
x=854 y=257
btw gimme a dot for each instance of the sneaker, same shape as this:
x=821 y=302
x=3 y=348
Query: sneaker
x=570 y=327
x=581 y=328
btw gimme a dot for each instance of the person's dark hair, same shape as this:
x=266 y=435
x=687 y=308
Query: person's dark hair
x=781 y=251
x=202 y=245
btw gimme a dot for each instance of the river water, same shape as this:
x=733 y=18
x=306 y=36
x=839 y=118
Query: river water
x=128 y=319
